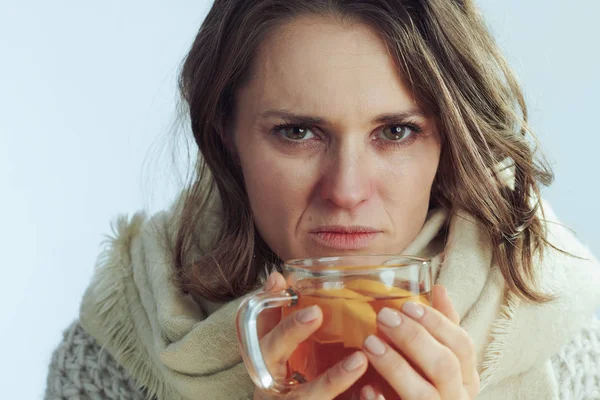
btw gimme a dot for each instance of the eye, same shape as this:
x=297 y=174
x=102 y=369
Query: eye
x=295 y=133
x=397 y=133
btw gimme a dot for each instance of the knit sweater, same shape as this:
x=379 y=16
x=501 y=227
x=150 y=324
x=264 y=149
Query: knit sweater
x=80 y=369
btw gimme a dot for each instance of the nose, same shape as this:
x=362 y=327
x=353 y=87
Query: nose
x=347 y=181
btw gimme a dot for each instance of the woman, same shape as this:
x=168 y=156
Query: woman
x=332 y=127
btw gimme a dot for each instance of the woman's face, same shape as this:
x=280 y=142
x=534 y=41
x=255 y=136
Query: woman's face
x=336 y=155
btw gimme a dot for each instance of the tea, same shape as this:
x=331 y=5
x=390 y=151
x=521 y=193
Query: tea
x=350 y=312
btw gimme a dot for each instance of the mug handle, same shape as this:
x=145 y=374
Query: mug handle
x=247 y=332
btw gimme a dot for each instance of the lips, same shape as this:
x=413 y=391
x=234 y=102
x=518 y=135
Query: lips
x=344 y=237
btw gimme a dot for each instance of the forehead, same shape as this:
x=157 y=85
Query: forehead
x=317 y=65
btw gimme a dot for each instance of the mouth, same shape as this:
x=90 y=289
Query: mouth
x=344 y=237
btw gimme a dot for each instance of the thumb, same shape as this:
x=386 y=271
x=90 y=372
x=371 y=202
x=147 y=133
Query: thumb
x=269 y=318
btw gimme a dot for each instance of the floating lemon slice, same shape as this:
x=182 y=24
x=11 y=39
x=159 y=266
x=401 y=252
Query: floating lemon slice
x=347 y=316
x=350 y=313
x=381 y=291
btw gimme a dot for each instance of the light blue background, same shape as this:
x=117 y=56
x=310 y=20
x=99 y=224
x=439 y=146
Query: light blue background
x=87 y=95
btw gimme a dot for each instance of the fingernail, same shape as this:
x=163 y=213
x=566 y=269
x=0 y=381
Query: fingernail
x=270 y=283
x=413 y=310
x=374 y=345
x=353 y=362
x=445 y=291
x=308 y=315
x=389 y=317
x=368 y=393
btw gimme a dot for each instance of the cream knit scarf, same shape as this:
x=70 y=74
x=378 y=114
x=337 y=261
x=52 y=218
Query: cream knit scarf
x=178 y=349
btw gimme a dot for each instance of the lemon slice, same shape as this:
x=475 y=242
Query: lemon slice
x=347 y=316
x=387 y=296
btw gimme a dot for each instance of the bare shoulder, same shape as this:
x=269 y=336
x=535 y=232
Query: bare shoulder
x=577 y=365
x=81 y=369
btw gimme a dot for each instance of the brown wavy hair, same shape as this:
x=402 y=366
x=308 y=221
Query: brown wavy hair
x=456 y=72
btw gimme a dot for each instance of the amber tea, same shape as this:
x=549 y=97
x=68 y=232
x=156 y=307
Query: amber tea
x=350 y=311
x=350 y=290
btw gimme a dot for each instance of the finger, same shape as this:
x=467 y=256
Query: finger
x=370 y=393
x=269 y=318
x=449 y=335
x=278 y=345
x=397 y=371
x=439 y=365
x=275 y=282
x=443 y=303
x=335 y=380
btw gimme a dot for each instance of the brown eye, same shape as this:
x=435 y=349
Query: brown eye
x=396 y=133
x=296 y=133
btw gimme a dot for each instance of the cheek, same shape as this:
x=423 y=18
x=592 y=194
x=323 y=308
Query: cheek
x=272 y=182
x=279 y=190
x=407 y=188
x=410 y=177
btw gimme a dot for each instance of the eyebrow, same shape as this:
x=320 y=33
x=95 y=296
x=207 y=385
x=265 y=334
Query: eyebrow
x=316 y=120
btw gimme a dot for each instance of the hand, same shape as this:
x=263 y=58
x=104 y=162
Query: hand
x=279 y=339
x=430 y=357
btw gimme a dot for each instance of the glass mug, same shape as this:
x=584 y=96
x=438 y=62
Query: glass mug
x=350 y=290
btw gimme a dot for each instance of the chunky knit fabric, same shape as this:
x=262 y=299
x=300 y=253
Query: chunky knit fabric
x=577 y=366
x=81 y=370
